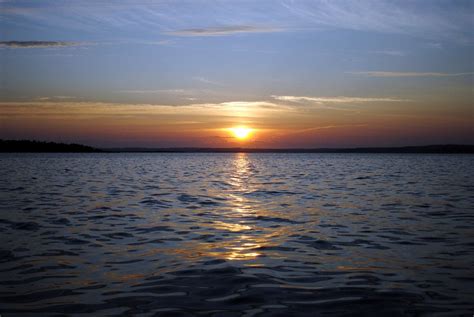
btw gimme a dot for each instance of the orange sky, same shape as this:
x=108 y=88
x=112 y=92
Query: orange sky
x=275 y=123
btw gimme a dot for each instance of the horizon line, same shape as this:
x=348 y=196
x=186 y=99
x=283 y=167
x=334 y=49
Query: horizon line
x=47 y=146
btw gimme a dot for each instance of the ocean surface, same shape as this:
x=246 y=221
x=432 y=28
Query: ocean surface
x=236 y=234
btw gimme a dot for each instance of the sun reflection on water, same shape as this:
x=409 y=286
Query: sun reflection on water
x=234 y=234
x=234 y=227
x=245 y=246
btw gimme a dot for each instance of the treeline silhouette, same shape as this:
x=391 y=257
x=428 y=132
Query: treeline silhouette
x=39 y=146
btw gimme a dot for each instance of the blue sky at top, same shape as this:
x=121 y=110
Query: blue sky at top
x=247 y=48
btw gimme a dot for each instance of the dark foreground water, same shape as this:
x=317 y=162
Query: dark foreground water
x=236 y=234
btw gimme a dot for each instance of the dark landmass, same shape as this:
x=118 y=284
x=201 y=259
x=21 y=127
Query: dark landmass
x=39 y=146
x=445 y=149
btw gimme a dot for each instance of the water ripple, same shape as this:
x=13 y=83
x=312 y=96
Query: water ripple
x=236 y=234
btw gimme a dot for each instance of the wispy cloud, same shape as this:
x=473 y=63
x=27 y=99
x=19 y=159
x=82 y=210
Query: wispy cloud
x=390 y=52
x=207 y=81
x=189 y=94
x=51 y=98
x=253 y=104
x=162 y=42
x=38 y=44
x=224 y=30
x=409 y=74
x=330 y=127
x=449 y=22
x=67 y=108
x=155 y=91
x=436 y=45
x=435 y=20
x=322 y=100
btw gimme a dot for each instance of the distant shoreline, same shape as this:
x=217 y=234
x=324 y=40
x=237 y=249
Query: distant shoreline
x=27 y=146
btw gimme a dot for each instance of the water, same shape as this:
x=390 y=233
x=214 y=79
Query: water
x=236 y=234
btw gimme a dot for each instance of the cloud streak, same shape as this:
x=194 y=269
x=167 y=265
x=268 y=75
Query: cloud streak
x=410 y=74
x=396 y=17
x=323 y=100
x=54 y=98
x=207 y=111
x=155 y=91
x=390 y=53
x=436 y=20
x=223 y=30
x=330 y=127
x=208 y=81
x=38 y=44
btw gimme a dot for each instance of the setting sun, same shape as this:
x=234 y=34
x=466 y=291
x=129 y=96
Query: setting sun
x=241 y=133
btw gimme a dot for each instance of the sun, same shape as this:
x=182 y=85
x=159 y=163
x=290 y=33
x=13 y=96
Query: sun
x=241 y=133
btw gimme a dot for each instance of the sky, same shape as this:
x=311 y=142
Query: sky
x=299 y=74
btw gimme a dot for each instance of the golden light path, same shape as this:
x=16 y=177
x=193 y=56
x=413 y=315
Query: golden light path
x=241 y=132
x=242 y=236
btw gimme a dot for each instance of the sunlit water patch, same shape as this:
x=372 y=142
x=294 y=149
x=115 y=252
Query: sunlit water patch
x=236 y=234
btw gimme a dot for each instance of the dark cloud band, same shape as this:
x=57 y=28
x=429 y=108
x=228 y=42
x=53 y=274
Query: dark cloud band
x=223 y=30
x=37 y=44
